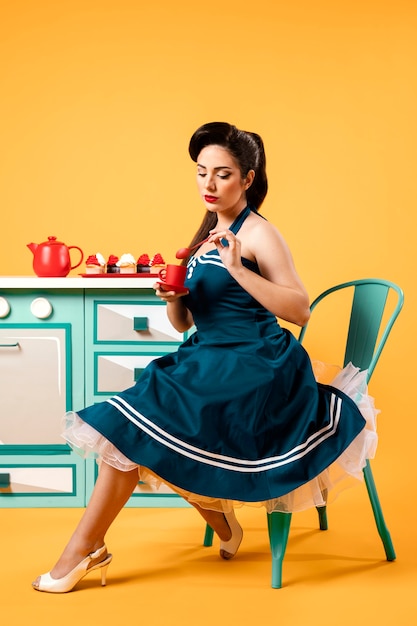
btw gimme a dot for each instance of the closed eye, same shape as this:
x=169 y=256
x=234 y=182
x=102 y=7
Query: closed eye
x=222 y=176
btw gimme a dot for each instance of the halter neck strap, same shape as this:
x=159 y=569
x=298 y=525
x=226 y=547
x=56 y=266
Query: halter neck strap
x=240 y=219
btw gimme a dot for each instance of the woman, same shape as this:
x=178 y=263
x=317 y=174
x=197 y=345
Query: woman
x=236 y=414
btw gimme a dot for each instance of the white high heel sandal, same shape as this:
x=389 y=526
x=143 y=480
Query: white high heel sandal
x=229 y=548
x=68 y=582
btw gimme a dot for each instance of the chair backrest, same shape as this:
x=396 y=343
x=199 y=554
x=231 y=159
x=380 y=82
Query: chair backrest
x=366 y=333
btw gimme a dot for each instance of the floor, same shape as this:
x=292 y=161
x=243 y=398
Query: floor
x=161 y=574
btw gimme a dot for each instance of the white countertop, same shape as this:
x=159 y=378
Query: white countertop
x=35 y=282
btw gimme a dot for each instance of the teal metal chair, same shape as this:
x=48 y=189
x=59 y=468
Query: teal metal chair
x=374 y=305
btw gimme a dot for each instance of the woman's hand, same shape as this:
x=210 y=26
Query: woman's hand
x=167 y=296
x=178 y=314
x=230 y=254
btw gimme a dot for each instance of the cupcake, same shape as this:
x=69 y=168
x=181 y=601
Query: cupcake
x=112 y=265
x=95 y=264
x=157 y=262
x=143 y=264
x=127 y=264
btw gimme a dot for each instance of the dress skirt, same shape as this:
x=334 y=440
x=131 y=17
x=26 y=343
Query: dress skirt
x=345 y=471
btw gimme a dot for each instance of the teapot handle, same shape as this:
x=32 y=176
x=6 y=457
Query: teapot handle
x=82 y=256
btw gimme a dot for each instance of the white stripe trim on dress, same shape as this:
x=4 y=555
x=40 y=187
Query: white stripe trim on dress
x=206 y=260
x=227 y=462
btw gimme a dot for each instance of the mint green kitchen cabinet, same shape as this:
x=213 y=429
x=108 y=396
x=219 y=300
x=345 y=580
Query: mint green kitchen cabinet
x=66 y=343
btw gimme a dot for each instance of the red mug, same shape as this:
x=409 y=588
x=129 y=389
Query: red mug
x=173 y=275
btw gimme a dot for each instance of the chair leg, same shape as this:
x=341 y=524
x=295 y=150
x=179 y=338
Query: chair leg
x=278 y=529
x=322 y=511
x=379 y=518
x=208 y=536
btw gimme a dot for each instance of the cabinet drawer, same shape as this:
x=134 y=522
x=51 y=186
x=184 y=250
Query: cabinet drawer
x=132 y=322
x=30 y=479
x=116 y=372
x=42 y=480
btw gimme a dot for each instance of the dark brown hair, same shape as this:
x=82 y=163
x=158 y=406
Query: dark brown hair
x=248 y=151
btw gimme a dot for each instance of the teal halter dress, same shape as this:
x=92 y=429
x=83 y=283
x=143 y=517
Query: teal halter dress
x=236 y=412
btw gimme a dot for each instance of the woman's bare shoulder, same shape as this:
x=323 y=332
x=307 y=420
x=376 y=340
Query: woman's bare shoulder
x=263 y=233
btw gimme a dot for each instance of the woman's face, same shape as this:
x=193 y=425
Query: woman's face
x=220 y=181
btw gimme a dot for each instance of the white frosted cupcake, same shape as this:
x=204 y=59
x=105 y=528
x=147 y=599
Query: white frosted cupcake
x=127 y=264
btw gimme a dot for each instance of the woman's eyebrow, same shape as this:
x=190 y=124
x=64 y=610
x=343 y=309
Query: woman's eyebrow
x=220 y=167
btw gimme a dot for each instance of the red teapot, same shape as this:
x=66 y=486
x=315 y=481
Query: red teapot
x=52 y=258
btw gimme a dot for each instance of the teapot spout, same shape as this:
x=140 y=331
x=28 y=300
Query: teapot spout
x=32 y=247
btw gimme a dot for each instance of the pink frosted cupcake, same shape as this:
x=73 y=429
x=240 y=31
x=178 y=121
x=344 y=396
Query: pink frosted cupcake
x=95 y=264
x=157 y=263
x=143 y=264
x=112 y=265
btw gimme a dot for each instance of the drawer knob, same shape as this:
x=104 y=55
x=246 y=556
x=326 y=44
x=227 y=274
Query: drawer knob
x=140 y=323
x=4 y=307
x=41 y=308
x=4 y=480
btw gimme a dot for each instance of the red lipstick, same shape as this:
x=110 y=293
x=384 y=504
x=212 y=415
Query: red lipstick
x=210 y=199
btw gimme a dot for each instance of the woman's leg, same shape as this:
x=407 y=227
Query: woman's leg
x=216 y=520
x=226 y=526
x=111 y=492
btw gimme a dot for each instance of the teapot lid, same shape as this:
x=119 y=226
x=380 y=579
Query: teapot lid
x=52 y=240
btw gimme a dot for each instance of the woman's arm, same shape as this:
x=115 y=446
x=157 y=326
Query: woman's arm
x=279 y=288
x=178 y=314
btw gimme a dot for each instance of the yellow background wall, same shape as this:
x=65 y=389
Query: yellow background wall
x=99 y=99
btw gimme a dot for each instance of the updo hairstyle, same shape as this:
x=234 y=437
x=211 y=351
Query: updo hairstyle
x=248 y=151
x=246 y=148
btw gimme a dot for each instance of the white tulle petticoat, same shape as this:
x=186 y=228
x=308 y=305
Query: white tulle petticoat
x=317 y=492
